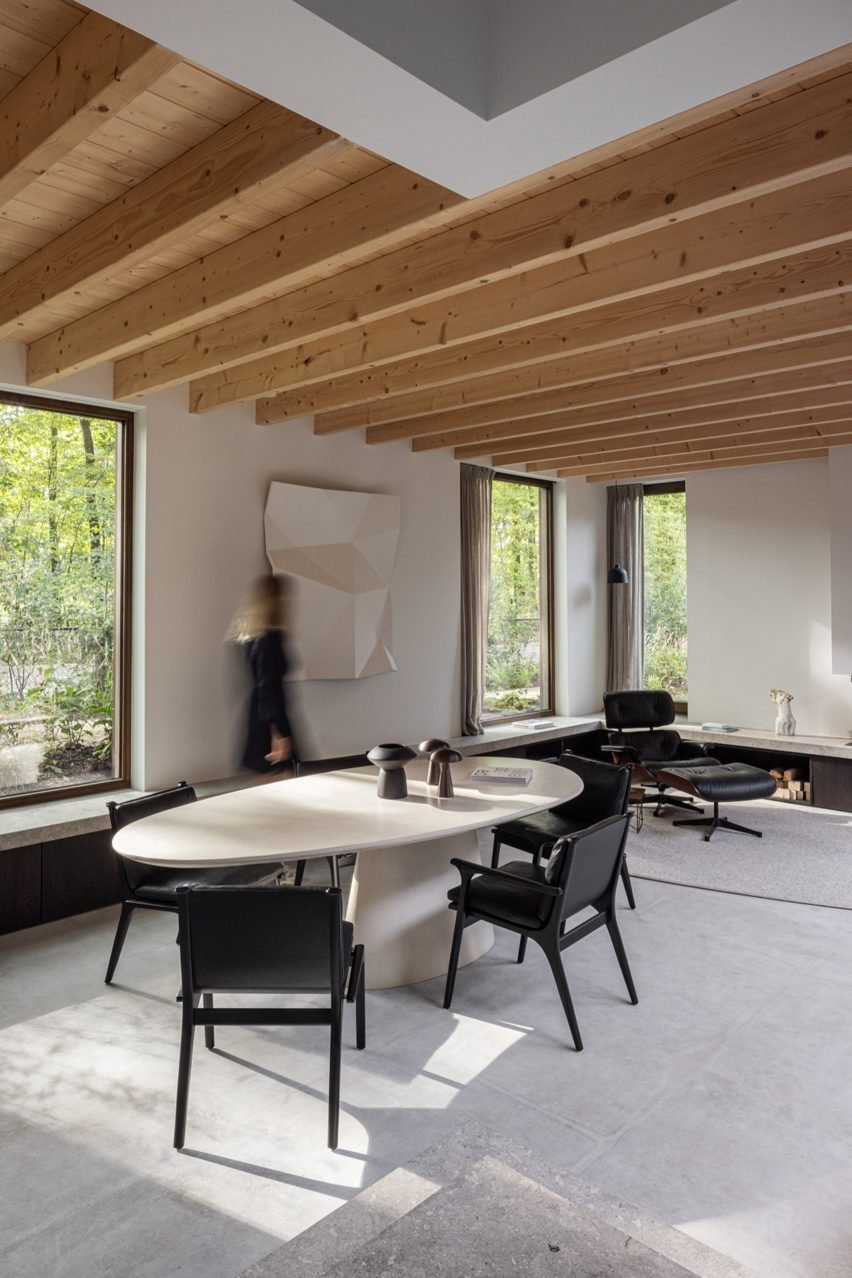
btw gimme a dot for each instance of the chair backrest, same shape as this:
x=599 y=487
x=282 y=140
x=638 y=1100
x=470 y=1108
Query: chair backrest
x=589 y=864
x=644 y=708
x=309 y=767
x=261 y=939
x=606 y=788
x=121 y=814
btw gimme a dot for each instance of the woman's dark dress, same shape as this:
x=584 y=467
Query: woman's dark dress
x=267 y=709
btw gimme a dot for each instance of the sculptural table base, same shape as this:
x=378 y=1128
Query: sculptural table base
x=398 y=903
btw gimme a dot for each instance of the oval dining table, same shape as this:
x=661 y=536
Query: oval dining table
x=398 y=898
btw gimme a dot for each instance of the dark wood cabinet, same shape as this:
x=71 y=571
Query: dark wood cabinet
x=47 y=881
x=831 y=784
x=20 y=887
x=78 y=874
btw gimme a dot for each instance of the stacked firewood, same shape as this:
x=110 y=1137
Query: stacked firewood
x=793 y=784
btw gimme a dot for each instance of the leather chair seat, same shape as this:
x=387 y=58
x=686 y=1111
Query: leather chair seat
x=536 y=832
x=721 y=782
x=506 y=901
x=161 y=885
x=656 y=766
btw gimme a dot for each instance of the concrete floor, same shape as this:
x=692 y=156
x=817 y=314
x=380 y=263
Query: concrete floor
x=721 y=1104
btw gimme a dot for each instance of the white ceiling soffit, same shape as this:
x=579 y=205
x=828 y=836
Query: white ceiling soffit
x=461 y=61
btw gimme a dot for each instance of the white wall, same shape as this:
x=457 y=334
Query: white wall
x=840 y=471
x=580 y=596
x=759 y=582
x=201 y=488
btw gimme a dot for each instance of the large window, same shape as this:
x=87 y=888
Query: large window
x=64 y=548
x=517 y=672
x=665 y=589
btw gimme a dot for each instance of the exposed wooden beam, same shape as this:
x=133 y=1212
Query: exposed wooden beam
x=732 y=449
x=747 y=416
x=617 y=399
x=666 y=264
x=95 y=71
x=633 y=341
x=650 y=472
x=809 y=387
x=449 y=411
x=207 y=182
x=747 y=430
x=327 y=236
x=806 y=135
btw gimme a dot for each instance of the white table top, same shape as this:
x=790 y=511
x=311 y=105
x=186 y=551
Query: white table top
x=336 y=812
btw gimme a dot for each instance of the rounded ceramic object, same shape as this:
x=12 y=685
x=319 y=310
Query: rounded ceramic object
x=441 y=759
x=427 y=748
x=391 y=759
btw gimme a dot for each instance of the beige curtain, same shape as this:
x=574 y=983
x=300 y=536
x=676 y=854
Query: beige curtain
x=475 y=588
x=625 y=603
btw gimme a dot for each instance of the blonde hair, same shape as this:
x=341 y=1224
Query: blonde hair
x=262 y=608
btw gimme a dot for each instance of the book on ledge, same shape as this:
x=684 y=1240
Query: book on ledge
x=512 y=776
x=532 y=724
x=719 y=727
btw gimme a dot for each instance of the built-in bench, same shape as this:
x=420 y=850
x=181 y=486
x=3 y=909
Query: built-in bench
x=56 y=857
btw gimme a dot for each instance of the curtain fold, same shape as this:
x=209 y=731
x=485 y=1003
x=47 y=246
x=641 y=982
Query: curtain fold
x=625 y=603
x=475 y=590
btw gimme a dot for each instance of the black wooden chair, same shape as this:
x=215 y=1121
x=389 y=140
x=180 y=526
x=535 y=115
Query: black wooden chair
x=145 y=887
x=266 y=941
x=519 y=897
x=309 y=768
x=605 y=793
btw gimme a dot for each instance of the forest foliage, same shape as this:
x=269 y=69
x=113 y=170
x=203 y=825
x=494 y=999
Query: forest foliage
x=665 y=593
x=513 y=663
x=57 y=582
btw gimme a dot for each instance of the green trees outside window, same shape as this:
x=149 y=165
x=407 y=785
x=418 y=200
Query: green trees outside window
x=516 y=671
x=665 y=592
x=58 y=616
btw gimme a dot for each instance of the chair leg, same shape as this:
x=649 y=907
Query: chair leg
x=495 y=850
x=127 y=909
x=554 y=958
x=522 y=949
x=628 y=885
x=184 y=1071
x=209 y=1037
x=621 y=955
x=335 y=871
x=334 y=1080
x=361 y=1010
x=300 y=873
x=455 y=951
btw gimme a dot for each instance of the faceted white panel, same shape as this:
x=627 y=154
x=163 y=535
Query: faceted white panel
x=341 y=548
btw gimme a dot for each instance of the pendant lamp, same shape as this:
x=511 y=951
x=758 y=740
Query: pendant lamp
x=617 y=576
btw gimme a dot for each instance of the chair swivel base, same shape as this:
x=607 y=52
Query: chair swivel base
x=715 y=822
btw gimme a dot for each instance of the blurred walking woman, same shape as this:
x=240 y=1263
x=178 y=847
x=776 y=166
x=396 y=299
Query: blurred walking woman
x=260 y=628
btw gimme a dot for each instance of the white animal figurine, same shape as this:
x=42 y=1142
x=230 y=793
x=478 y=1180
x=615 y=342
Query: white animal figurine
x=785 y=724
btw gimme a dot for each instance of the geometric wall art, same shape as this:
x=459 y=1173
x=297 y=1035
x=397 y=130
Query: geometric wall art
x=341 y=548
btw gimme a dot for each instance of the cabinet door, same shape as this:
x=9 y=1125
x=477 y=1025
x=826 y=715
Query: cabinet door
x=20 y=887
x=831 y=784
x=78 y=874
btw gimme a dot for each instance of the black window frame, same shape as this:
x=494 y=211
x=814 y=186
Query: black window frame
x=548 y=671
x=124 y=420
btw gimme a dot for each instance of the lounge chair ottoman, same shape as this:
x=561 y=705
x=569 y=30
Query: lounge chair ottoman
x=720 y=783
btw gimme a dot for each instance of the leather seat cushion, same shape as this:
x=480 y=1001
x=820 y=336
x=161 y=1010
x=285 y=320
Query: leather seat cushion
x=161 y=885
x=722 y=782
x=655 y=767
x=539 y=831
x=504 y=901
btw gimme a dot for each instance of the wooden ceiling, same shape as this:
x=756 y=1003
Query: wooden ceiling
x=674 y=301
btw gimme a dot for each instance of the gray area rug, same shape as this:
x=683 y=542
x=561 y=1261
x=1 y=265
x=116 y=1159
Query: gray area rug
x=478 y=1206
x=805 y=854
